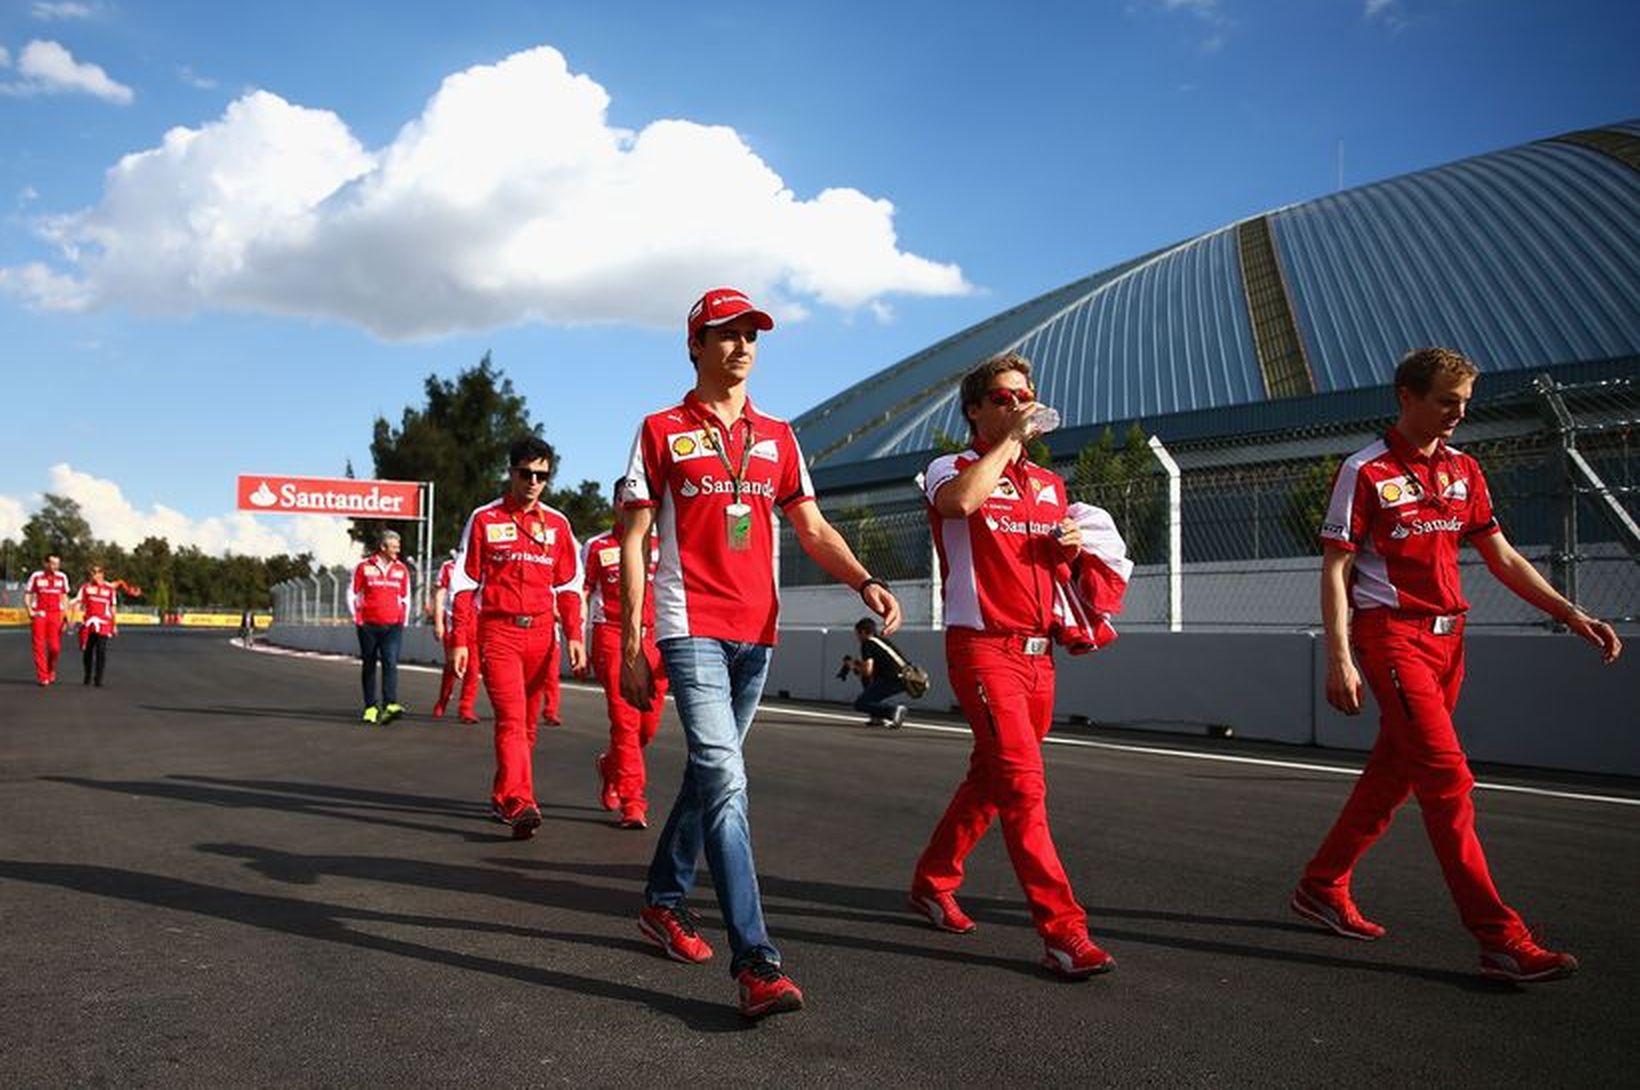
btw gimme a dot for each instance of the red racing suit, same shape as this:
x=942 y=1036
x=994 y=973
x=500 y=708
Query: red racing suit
x=630 y=730
x=1404 y=515
x=998 y=566
x=467 y=707
x=46 y=594
x=518 y=573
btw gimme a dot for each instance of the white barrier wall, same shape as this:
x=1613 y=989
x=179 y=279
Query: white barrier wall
x=1530 y=699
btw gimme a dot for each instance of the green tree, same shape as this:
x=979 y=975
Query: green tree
x=459 y=441
x=1307 y=499
x=586 y=506
x=1124 y=481
x=59 y=527
x=869 y=539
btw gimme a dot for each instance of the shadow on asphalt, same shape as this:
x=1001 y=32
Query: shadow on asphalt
x=342 y=717
x=787 y=898
x=817 y=901
x=330 y=923
x=340 y=803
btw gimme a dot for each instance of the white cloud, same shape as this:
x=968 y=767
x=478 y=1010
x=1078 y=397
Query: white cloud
x=5 y=57
x=114 y=518
x=509 y=199
x=12 y=516
x=1387 y=12
x=48 y=10
x=1212 y=17
x=49 y=69
x=194 y=79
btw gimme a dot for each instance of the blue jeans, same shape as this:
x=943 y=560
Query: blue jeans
x=716 y=684
x=874 y=698
x=380 y=641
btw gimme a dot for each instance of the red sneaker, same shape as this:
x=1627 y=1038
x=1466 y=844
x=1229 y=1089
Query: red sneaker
x=941 y=910
x=1335 y=911
x=438 y=711
x=1075 y=956
x=525 y=822
x=607 y=795
x=1525 y=962
x=765 y=990
x=672 y=928
x=634 y=814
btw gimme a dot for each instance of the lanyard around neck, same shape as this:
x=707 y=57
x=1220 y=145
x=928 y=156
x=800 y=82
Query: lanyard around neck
x=718 y=445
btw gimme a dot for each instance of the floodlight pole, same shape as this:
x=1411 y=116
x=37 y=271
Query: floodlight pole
x=1175 y=537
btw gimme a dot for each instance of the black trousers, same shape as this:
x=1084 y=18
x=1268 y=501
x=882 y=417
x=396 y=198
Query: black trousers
x=95 y=656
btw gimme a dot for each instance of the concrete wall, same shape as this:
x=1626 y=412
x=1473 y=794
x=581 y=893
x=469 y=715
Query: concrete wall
x=1537 y=700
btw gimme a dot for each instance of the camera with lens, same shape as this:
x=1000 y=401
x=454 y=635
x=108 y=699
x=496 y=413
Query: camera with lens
x=847 y=668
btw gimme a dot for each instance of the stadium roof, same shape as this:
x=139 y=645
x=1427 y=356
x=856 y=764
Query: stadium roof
x=1523 y=259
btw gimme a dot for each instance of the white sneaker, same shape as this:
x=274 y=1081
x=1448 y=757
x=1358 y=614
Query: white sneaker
x=899 y=717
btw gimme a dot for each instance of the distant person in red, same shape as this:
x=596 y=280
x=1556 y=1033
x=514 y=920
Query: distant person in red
x=45 y=595
x=444 y=625
x=518 y=573
x=379 y=599
x=98 y=602
x=621 y=771
x=1400 y=509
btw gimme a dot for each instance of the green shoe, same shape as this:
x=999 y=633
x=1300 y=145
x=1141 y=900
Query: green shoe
x=392 y=712
x=371 y=714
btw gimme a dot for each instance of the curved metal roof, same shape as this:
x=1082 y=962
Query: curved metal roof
x=1524 y=258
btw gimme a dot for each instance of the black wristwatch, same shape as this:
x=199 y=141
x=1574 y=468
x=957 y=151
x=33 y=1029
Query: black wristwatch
x=861 y=589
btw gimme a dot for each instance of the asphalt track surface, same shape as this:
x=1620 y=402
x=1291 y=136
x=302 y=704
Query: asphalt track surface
x=211 y=875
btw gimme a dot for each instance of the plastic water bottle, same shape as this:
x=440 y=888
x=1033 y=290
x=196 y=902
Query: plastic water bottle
x=1044 y=420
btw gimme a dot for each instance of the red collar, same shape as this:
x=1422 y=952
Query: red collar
x=1400 y=446
x=693 y=404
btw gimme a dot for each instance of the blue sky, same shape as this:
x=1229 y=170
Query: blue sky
x=231 y=235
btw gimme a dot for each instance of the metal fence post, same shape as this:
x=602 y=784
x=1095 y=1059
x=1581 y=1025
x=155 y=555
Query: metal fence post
x=1175 y=536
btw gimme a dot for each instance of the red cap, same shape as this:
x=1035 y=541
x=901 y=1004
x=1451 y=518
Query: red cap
x=720 y=305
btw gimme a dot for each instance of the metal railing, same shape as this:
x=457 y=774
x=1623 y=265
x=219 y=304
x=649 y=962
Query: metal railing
x=321 y=598
x=1563 y=463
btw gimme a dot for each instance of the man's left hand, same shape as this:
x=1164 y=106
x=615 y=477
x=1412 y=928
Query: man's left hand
x=1597 y=632
x=578 y=658
x=1070 y=537
x=881 y=601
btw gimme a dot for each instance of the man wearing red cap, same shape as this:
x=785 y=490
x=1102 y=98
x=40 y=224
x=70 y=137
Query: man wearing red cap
x=45 y=596
x=519 y=572
x=621 y=771
x=708 y=474
x=1400 y=508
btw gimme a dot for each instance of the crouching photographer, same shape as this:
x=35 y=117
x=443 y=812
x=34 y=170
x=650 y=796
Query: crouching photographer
x=884 y=672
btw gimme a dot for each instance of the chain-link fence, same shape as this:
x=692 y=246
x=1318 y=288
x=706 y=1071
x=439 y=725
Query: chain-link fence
x=321 y=598
x=1562 y=462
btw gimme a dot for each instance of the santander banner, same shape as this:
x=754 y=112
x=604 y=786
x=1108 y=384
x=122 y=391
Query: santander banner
x=276 y=495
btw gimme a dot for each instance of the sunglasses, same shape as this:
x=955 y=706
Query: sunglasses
x=1003 y=395
x=539 y=476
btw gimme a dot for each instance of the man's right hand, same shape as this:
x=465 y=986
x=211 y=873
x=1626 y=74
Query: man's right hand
x=1344 y=687
x=637 y=682
x=458 y=661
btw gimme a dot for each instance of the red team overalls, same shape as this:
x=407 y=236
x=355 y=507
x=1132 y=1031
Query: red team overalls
x=630 y=730
x=998 y=571
x=1404 y=515
x=51 y=593
x=519 y=572
x=467 y=707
